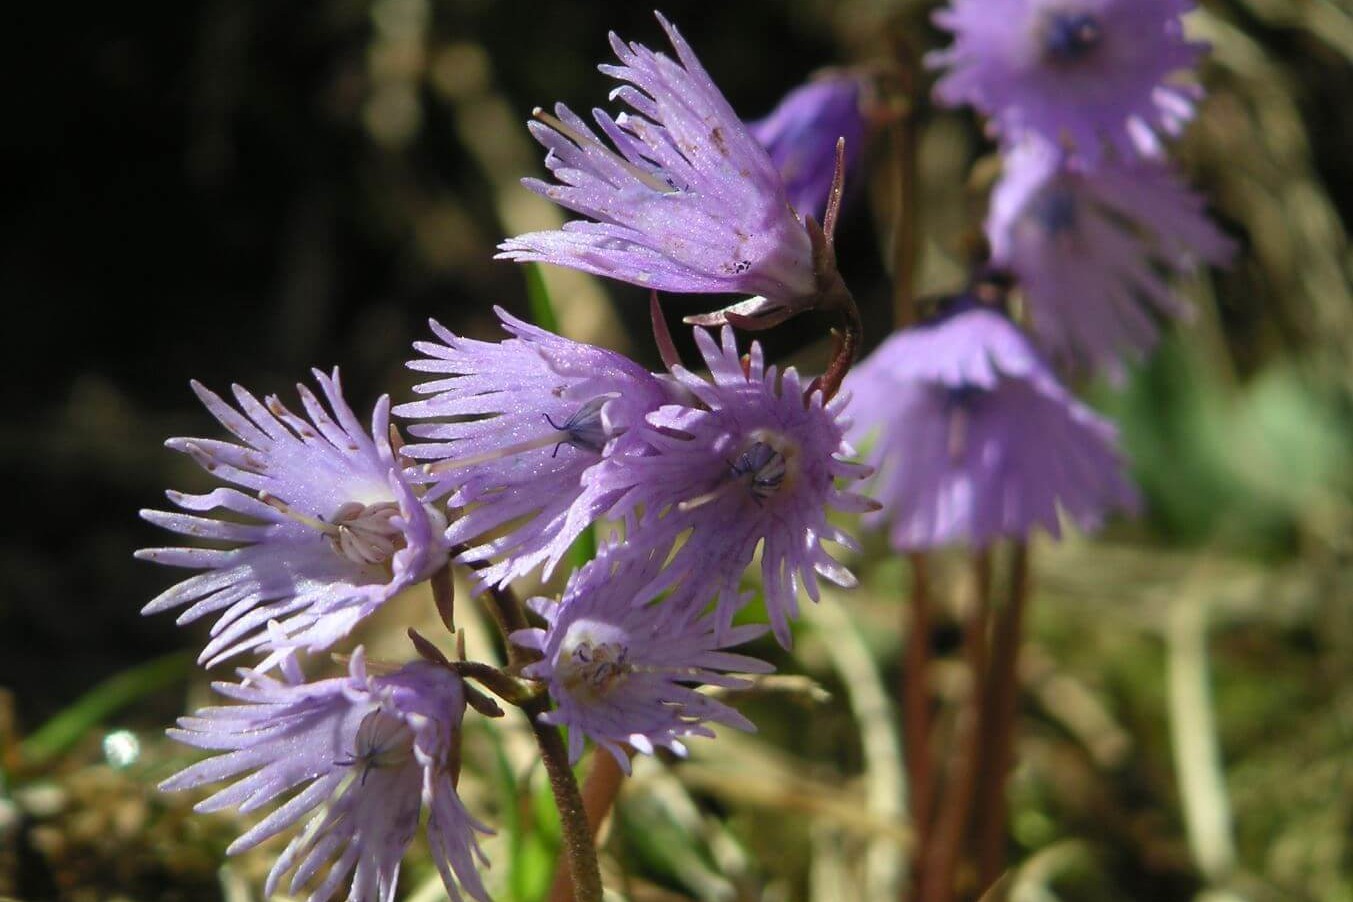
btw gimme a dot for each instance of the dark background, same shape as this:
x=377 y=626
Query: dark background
x=238 y=190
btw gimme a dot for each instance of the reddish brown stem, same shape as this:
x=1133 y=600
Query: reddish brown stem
x=915 y=692
x=943 y=852
x=600 y=791
x=1002 y=705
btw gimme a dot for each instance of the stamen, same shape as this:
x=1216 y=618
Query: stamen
x=594 y=658
x=766 y=467
x=282 y=507
x=362 y=533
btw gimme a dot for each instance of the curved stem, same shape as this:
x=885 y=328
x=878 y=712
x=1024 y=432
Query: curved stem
x=581 y=852
x=599 y=793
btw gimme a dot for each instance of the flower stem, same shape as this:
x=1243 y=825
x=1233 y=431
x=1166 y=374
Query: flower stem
x=581 y=852
x=902 y=133
x=945 y=847
x=915 y=692
x=1002 y=697
x=599 y=793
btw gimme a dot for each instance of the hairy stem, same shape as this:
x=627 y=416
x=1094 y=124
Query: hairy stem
x=580 y=851
x=599 y=793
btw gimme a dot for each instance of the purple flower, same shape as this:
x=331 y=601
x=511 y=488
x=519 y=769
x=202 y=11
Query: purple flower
x=363 y=752
x=976 y=439
x=687 y=202
x=532 y=416
x=1083 y=71
x=1091 y=248
x=621 y=672
x=332 y=530
x=800 y=135
x=751 y=462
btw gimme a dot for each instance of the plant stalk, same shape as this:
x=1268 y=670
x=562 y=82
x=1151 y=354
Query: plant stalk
x=1001 y=704
x=937 y=882
x=580 y=851
x=599 y=793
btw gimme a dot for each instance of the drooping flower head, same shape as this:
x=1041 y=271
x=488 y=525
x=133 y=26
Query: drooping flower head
x=624 y=673
x=1085 y=72
x=751 y=462
x=800 y=135
x=687 y=201
x=363 y=752
x=530 y=416
x=334 y=530
x=975 y=438
x=1091 y=250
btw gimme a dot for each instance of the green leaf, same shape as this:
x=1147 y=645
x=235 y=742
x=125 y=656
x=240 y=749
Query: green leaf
x=542 y=311
x=68 y=726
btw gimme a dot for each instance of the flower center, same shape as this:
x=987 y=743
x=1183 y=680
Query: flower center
x=762 y=468
x=1055 y=211
x=593 y=659
x=1069 y=37
x=767 y=464
x=362 y=533
x=381 y=741
x=584 y=428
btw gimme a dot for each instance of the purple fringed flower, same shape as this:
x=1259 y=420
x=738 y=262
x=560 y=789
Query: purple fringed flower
x=751 y=462
x=689 y=203
x=623 y=673
x=1083 y=71
x=976 y=438
x=364 y=752
x=334 y=528
x=533 y=415
x=800 y=135
x=1090 y=250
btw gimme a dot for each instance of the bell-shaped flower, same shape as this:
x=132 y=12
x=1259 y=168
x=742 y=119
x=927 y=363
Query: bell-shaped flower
x=753 y=460
x=1092 y=249
x=323 y=526
x=800 y=135
x=523 y=421
x=365 y=753
x=623 y=673
x=1085 y=72
x=686 y=200
x=975 y=439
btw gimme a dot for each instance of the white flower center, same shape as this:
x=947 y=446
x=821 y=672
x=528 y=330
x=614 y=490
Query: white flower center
x=593 y=659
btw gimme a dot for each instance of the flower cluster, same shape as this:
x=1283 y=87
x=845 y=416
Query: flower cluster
x=518 y=447
x=1088 y=213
